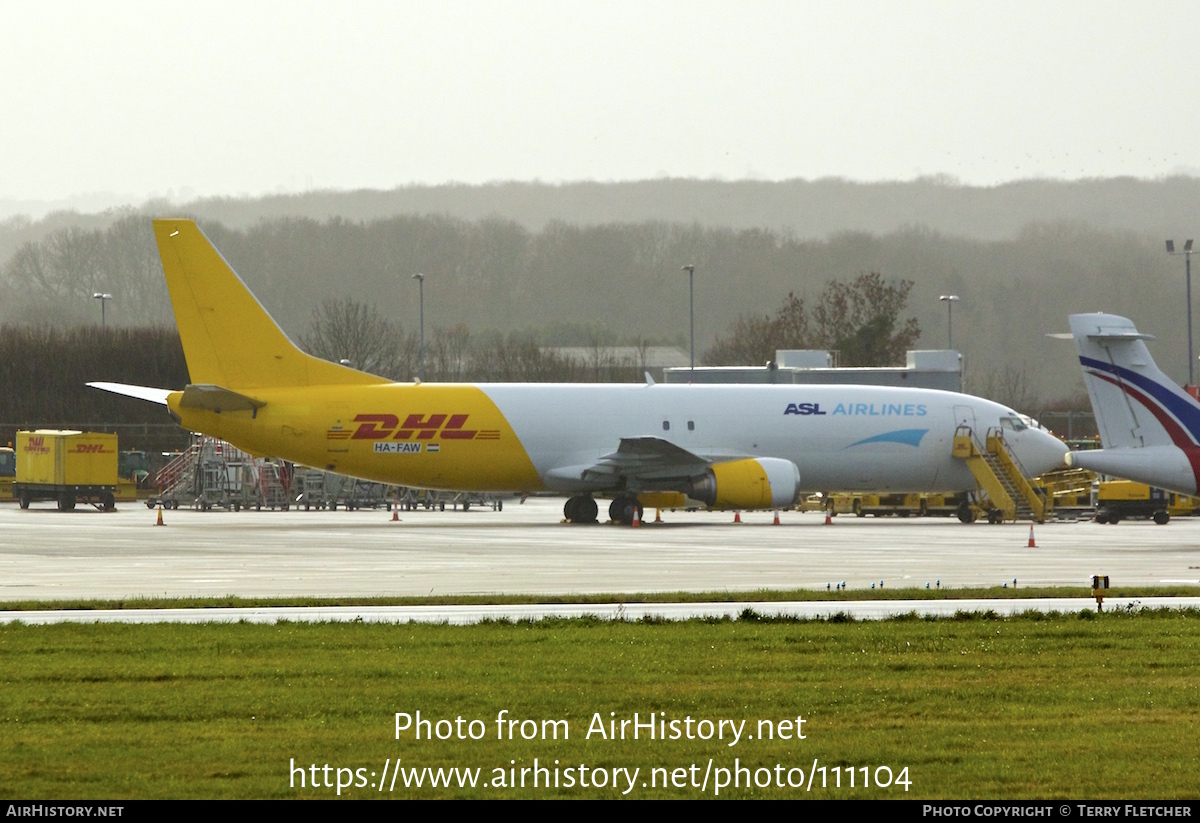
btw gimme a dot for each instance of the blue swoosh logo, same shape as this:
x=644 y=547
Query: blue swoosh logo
x=905 y=437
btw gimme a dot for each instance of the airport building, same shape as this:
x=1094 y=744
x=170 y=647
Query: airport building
x=923 y=369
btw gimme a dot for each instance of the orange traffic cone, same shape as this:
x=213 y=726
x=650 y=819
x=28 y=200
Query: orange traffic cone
x=828 y=518
x=160 y=521
x=396 y=511
x=658 y=515
x=777 y=517
x=1032 y=545
x=636 y=520
x=737 y=517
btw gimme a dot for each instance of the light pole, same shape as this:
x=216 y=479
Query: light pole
x=103 y=298
x=1187 y=265
x=950 y=300
x=691 y=270
x=420 y=278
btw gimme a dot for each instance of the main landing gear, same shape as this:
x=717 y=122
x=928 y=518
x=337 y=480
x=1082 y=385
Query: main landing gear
x=583 y=509
x=621 y=510
x=580 y=509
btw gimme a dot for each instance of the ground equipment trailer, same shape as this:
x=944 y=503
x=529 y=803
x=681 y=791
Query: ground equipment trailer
x=66 y=466
x=1118 y=500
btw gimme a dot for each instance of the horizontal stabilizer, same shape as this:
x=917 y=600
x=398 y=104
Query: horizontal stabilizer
x=158 y=396
x=1117 y=335
x=218 y=399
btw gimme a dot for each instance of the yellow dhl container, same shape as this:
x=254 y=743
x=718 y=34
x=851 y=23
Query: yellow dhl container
x=66 y=458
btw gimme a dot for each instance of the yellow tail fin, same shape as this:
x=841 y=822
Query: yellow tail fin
x=228 y=338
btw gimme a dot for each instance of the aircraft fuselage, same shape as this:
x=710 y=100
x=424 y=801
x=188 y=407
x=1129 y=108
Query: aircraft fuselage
x=533 y=437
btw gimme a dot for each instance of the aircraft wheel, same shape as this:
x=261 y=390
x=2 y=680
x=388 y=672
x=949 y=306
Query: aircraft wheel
x=995 y=516
x=581 y=509
x=966 y=514
x=621 y=510
x=1161 y=518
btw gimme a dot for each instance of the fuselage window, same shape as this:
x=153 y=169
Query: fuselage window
x=691 y=425
x=666 y=425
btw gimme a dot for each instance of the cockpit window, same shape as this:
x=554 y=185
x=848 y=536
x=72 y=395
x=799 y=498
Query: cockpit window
x=1015 y=424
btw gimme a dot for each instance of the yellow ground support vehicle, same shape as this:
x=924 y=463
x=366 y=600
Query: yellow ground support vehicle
x=8 y=471
x=879 y=505
x=66 y=466
x=1118 y=500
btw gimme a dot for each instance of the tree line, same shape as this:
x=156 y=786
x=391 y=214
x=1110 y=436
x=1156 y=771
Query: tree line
x=622 y=281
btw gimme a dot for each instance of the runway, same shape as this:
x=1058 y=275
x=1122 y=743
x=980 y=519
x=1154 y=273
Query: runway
x=524 y=549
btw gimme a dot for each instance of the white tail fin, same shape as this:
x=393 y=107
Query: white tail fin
x=1136 y=405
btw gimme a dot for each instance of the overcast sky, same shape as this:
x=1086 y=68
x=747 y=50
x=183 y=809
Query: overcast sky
x=185 y=98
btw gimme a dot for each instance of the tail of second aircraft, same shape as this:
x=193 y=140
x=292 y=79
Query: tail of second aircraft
x=1136 y=404
x=229 y=340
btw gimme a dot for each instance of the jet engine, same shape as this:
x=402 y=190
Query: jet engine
x=754 y=483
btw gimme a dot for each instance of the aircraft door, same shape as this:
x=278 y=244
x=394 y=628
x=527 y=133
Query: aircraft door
x=965 y=416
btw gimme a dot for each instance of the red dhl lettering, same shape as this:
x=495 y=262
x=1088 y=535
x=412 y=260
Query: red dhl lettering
x=89 y=448
x=418 y=426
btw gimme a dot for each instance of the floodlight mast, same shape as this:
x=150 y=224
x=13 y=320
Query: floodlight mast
x=420 y=278
x=103 y=297
x=950 y=300
x=1187 y=265
x=691 y=270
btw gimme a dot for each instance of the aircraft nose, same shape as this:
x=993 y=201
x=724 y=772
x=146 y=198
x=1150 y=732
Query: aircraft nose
x=1040 y=452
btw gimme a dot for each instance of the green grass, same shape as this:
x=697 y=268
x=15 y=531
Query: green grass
x=761 y=595
x=1064 y=706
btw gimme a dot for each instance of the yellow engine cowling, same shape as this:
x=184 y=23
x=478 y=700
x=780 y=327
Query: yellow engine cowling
x=754 y=483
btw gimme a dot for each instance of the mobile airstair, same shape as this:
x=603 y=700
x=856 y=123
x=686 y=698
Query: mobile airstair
x=1007 y=489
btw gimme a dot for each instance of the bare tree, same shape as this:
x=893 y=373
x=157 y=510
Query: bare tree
x=859 y=319
x=345 y=330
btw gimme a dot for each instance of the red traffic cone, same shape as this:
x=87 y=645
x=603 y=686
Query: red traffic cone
x=777 y=517
x=395 y=512
x=828 y=517
x=737 y=517
x=636 y=520
x=1032 y=545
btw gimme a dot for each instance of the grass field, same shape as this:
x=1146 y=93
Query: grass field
x=1064 y=706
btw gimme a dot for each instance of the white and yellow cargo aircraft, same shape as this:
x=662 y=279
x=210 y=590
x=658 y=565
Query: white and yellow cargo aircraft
x=727 y=446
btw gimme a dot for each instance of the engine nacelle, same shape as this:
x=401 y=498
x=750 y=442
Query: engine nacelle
x=754 y=483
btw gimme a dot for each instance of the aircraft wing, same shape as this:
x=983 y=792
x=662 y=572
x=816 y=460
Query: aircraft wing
x=647 y=458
